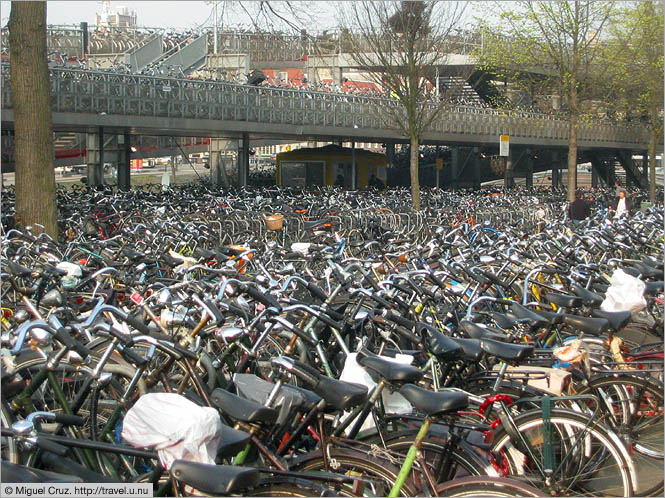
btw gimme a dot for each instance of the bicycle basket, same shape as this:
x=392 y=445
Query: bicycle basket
x=274 y=222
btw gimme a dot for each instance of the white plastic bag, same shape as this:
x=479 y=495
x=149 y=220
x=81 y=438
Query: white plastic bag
x=392 y=402
x=175 y=427
x=625 y=293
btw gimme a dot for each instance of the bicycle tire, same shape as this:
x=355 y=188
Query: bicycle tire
x=465 y=461
x=486 y=486
x=638 y=420
x=355 y=463
x=289 y=486
x=599 y=444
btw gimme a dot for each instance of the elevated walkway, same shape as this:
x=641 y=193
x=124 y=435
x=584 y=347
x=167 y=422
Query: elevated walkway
x=86 y=100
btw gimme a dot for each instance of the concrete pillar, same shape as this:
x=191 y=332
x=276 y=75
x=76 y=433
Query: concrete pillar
x=124 y=162
x=611 y=173
x=337 y=75
x=354 y=170
x=219 y=149
x=95 y=157
x=595 y=179
x=243 y=160
x=475 y=165
x=174 y=168
x=528 y=157
x=508 y=177
x=556 y=173
x=390 y=154
x=455 y=157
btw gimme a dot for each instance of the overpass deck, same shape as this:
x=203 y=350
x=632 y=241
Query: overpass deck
x=137 y=104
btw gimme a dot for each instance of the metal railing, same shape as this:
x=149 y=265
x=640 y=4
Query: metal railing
x=79 y=91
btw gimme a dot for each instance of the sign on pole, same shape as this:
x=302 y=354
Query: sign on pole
x=504 y=144
x=439 y=163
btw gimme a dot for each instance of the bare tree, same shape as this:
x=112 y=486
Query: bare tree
x=398 y=44
x=634 y=55
x=33 y=126
x=562 y=39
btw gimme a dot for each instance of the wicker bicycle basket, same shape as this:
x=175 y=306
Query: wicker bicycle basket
x=274 y=222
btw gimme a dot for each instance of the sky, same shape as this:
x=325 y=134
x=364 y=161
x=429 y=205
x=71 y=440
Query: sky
x=166 y=14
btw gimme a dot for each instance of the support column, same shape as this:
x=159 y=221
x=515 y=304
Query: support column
x=124 y=161
x=611 y=173
x=508 y=180
x=336 y=75
x=243 y=160
x=354 y=172
x=529 y=168
x=218 y=175
x=594 y=175
x=454 y=166
x=95 y=157
x=475 y=165
x=390 y=154
x=556 y=176
x=174 y=168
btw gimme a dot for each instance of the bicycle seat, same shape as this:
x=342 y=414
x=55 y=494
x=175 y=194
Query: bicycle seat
x=653 y=288
x=434 y=403
x=200 y=252
x=471 y=349
x=506 y=352
x=17 y=270
x=648 y=271
x=504 y=321
x=564 y=300
x=632 y=271
x=475 y=331
x=243 y=409
x=552 y=317
x=589 y=298
x=132 y=254
x=444 y=348
x=232 y=441
x=310 y=225
x=216 y=480
x=654 y=263
x=535 y=320
x=19 y=473
x=593 y=326
x=339 y=394
x=311 y=398
x=617 y=319
x=389 y=370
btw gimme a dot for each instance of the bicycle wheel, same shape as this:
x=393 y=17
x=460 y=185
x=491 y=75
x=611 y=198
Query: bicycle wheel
x=381 y=473
x=464 y=461
x=288 y=486
x=587 y=458
x=634 y=409
x=486 y=486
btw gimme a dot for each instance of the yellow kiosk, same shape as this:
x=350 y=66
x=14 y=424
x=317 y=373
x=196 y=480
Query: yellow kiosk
x=329 y=165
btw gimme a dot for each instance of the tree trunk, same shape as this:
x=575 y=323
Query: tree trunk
x=572 y=157
x=33 y=126
x=415 y=182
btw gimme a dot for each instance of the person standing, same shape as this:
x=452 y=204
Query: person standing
x=620 y=205
x=579 y=209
